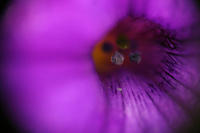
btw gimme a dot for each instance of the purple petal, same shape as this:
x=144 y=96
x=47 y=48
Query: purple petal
x=49 y=75
x=52 y=85
x=173 y=14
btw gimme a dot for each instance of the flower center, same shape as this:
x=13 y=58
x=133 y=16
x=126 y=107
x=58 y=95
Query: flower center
x=130 y=45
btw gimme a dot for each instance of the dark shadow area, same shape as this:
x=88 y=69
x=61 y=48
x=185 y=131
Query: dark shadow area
x=198 y=3
x=3 y=6
x=6 y=124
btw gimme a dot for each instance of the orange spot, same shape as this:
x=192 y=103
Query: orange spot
x=102 y=59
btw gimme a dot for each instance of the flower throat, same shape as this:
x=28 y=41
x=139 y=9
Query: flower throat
x=132 y=45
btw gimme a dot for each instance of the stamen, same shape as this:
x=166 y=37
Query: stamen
x=117 y=58
x=107 y=47
x=123 y=42
x=135 y=57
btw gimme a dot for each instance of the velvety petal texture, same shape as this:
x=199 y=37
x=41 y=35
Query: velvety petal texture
x=50 y=81
x=174 y=14
x=51 y=85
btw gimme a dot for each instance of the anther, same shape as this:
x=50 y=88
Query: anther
x=135 y=57
x=107 y=47
x=117 y=58
x=123 y=42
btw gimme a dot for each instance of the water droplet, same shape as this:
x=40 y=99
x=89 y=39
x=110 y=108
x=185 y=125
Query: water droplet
x=119 y=89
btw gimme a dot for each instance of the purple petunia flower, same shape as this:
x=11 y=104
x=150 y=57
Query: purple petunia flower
x=52 y=85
